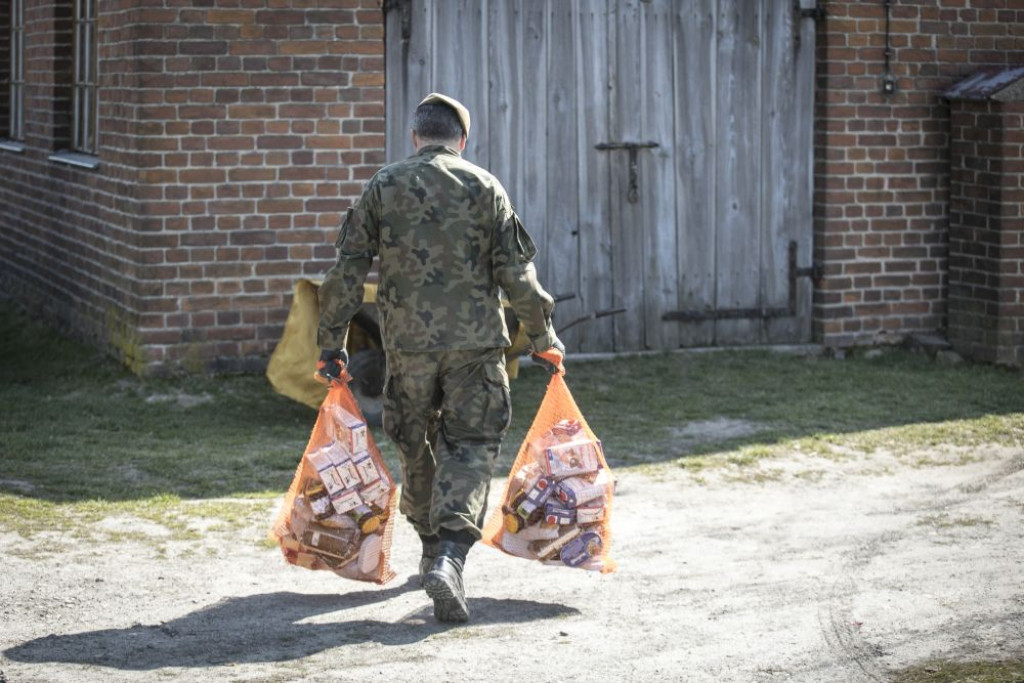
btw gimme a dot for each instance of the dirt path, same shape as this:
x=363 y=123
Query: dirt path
x=804 y=570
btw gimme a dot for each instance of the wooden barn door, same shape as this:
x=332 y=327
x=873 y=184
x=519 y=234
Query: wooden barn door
x=659 y=151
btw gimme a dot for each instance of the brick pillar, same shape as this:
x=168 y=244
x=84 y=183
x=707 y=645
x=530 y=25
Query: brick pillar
x=986 y=232
x=881 y=160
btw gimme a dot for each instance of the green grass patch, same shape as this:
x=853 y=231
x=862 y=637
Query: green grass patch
x=1006 y=671
x=943 y=520
x=81 y=439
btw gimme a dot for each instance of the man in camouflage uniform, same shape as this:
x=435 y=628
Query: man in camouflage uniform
x=448 y=242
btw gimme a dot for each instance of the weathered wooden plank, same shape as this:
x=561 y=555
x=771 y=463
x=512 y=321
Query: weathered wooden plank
x=563 y=189
x=801 y=208
x=657 y=196
x=409 y=73
x=548 y=79
x=739 y=169
x=777 y=183
x=530 y=157
x=787 y=162
x=461 y=69
x=505 y=125
x=695 y=66
x=594 y=207
x=627 y=220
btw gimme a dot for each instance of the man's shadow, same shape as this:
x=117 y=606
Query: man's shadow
x=263 y=628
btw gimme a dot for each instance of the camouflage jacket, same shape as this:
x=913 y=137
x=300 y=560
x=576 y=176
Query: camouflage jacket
x=448 y=241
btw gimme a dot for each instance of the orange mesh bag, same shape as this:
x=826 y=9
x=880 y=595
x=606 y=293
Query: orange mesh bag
x=557 y=503
x=338 y=512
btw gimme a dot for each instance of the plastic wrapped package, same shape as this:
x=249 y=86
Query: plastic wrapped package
x=557 y=502
x=337 y=514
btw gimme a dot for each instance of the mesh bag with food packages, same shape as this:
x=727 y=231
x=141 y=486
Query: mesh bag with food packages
x=337 y=514
x=557 y=503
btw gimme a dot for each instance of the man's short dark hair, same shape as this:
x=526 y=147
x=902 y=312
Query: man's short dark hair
x=436 y=122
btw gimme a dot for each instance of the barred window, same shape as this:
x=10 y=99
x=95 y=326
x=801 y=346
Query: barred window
x=12 y=72
x=17 y=97
x=85 y=104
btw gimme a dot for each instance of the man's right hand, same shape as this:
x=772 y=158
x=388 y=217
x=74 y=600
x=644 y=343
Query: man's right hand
x=551 y=358
x=331 y=364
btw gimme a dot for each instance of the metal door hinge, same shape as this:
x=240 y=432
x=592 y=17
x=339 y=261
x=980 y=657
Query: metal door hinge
x=799 y=14
x=817 y=12
x=814 y=271
x=405 y=7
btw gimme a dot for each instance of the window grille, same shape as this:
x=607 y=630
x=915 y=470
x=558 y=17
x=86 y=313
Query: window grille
x=16 y=81
x=85 y=104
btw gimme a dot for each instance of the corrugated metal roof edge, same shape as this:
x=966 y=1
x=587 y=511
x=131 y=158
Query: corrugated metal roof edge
x=985 y=83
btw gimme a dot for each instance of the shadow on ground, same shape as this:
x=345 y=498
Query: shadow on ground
x=264 y=628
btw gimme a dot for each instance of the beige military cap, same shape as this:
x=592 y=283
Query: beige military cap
x=460 y=110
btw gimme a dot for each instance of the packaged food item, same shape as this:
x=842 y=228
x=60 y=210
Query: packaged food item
x=545 y=550
x=290 y=543
x=516 y=545
x=346 y=501
x=308 y=561
x=566 y=429
x=535 y=496
x=349 y=474
x=590 y=514
x=572 y=457
x=557 y=501
x=365 y=469
x=317 y=498
x=348 y=430
x=376 y=493
x=558 y=514
x=333 y=481
x=336 y=521
x=301 y=516
x=575 y=491
x=367 y=517
x=513 y=522
x=320 y=458
x=337 y=512
x=581 y=549
x=538 y=532
x=337 y=543
x=369 y=554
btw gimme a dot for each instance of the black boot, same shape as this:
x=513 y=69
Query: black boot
x=443 y=582
x=431 y=549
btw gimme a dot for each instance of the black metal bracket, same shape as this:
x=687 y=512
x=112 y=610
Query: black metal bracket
x=633 y=194
x=817 y=12
x=888 y=80
x=814 y=271
x=405 y=7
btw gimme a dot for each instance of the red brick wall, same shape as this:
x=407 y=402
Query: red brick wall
x=881 y=161
x=986 y=232
x=258 y=126
x=65 y=232
x=232 y=138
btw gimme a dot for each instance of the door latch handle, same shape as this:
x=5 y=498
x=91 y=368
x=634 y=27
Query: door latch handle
x=633 y=194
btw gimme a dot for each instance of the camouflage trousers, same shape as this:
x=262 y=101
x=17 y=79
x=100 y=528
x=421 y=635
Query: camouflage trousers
x=447 y=412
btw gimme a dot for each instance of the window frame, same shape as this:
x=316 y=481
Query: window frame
x=15 y=100
x=85 y=79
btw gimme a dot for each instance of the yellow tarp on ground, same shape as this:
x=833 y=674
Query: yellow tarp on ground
x=291 y=366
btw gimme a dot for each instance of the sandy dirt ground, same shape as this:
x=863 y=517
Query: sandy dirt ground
x=801 y=569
